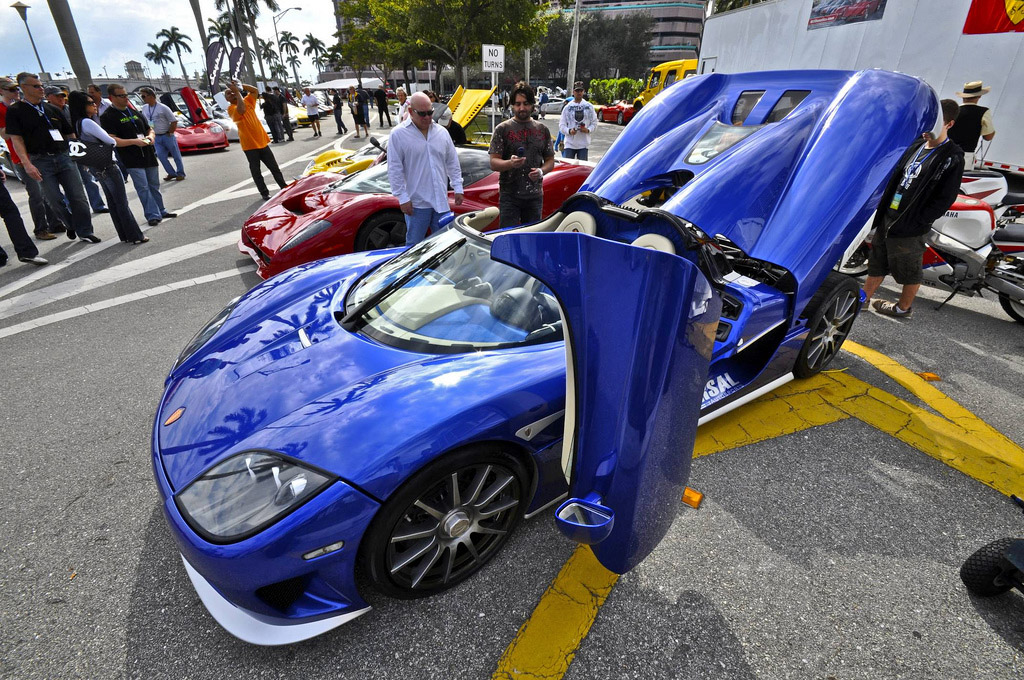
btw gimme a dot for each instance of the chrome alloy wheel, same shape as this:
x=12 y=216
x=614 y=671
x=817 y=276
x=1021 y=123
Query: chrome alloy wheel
x=454 y=527
x=832 y=328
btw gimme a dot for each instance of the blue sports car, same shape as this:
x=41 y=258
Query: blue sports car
x=397 y=413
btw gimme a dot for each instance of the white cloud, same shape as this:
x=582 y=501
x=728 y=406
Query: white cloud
x=115 y=31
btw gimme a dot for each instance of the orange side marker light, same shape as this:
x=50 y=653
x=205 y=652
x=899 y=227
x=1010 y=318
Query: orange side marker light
x=692 y=497
x=178 y=412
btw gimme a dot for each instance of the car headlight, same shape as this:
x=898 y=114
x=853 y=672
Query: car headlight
x=216 y=128
x=247 y=493
x=207 y=332
x=306 y=234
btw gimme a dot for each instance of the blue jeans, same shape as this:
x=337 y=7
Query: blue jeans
x=59 y=171
x=167 y=145
x=91 y=189
x=416 y=225
x=147 y=186
x=575 y=153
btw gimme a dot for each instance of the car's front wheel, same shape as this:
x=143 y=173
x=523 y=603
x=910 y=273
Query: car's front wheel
x=446 y=522
x=384 y=230
x=830 y=315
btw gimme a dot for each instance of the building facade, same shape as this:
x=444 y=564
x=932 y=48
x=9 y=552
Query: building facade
x=677 y=29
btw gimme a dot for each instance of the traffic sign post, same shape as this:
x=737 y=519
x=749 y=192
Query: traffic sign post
x=493 y=57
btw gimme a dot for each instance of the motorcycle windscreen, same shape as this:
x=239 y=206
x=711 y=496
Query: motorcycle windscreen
x=641 y=326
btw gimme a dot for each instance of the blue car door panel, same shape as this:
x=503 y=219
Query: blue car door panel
x=641 y=326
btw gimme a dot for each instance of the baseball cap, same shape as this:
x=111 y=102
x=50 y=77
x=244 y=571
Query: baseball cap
x=578 y=85
x=52 y=89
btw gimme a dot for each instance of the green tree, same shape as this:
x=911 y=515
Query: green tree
x=179 y=41
x=289 y=44
x=267 y=51
x=315 y=48
x=456 y=29
x=220 y=29
x=366 y=43
x=160 y=54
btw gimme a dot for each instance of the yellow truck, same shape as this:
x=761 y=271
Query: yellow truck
x=662 y=76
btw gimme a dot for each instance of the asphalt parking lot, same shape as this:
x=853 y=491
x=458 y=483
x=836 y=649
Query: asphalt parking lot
x=837 y=510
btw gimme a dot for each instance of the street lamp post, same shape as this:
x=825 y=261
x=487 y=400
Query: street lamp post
x=277 y=38
x=23 y=12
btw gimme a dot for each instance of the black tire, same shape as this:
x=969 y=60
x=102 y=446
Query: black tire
x=980 y=570
x=1015 y=308
x=383 y=230
x=432 y=534
x=830 y=315
x=620 y=119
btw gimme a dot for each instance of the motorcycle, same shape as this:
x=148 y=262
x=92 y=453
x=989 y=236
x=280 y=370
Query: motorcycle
x=997 y=567
x=977 y=245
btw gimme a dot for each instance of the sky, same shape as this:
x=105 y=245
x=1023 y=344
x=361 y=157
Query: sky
x=115 y=31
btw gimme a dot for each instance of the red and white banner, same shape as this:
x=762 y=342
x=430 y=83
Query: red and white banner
x=995 y=16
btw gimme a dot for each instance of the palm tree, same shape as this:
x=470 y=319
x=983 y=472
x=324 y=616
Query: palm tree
x=252 y=10
x=267 y=51
x=202 y=36
x=314 y=48
x=294 y=62
x=289 y=44
x=220 y=29
x=179 y=41
x=160 y=54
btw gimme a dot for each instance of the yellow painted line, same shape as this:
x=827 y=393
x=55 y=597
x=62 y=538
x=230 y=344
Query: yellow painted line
x=546 y=643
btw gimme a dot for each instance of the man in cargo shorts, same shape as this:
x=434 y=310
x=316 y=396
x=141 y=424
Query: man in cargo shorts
x=923 y=186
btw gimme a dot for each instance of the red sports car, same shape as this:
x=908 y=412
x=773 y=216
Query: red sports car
x=321 y=215
x=198 y=131
x=620 y=112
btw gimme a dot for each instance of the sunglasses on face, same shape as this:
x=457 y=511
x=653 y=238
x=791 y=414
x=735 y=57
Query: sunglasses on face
x=123 y=94
x=39 y=87
x=423 y=113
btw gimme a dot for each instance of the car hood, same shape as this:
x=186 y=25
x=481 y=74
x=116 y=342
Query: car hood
x=340 y=402
x=294 y=208
x=792 y=191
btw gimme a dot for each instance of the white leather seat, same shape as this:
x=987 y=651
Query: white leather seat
x=655 y=242
x=579 y=222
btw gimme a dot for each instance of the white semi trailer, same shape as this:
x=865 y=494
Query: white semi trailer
x=919 y=37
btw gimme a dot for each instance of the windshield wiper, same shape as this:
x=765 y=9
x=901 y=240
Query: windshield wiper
x=352 y=320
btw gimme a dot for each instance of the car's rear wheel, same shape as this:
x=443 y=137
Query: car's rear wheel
x=384 y=230
x=620 y=119
x=830 y=315
x=446 y=523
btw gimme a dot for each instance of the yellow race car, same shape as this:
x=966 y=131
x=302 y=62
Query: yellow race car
x=465 y=105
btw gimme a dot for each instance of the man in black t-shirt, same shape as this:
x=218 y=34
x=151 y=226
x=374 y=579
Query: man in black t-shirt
x=522 y=152
x=40 y=136
x=124 y=122
x=923 y=186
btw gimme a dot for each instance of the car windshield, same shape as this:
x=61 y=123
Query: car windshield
x=373 y=180
x=447 y=295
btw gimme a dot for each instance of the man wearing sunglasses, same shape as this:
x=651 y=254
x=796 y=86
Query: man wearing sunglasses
x=40 y=136
x=421 y=156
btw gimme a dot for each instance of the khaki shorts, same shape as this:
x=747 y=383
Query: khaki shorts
x=901 y=256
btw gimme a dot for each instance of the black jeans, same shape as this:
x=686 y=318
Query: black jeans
x=44 y=219
x=60 y=172
x=517 y=210
x=23 y=244
x=266 y=156
x=112 y=181
x=381 y=112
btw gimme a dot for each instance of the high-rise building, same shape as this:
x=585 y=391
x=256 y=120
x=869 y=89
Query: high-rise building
x=677 y=26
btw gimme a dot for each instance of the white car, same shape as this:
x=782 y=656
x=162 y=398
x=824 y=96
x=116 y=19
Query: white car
x=553 y=105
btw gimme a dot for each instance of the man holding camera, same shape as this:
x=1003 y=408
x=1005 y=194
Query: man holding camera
x=578 y=120
x=521 y=151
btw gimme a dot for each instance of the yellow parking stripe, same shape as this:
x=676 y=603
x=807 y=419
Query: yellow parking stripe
x=546 y=643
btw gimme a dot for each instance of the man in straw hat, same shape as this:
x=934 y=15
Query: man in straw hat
x=973 y=123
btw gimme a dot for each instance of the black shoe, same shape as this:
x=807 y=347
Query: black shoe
x=71 y=234
x=38 y=261
x=265 y=197
x=92 y=238
x=170 y=215
x=154 y=222
x=101 y=211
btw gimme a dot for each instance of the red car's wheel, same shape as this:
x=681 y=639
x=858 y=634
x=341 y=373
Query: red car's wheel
x=621 y=118
x=383 y=230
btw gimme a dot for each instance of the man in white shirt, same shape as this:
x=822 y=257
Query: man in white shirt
x=312 y=105
x=578 y=120
x=421 y=157
x=102 y=103
x=164 y=124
